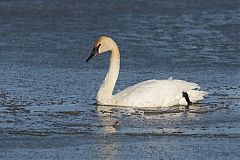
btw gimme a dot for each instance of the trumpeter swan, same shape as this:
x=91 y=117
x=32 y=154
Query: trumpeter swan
x=150 y=93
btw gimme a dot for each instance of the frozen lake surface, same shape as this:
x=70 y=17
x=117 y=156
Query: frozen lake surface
x=47 y=91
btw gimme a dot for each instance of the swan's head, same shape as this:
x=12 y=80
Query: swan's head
x=102 y=45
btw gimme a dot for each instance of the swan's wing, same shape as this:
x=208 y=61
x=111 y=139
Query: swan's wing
x=159 y=93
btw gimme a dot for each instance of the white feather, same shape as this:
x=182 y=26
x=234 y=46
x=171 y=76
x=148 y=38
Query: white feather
x=150 y=93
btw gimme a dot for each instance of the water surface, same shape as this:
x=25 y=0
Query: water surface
x=47 y=91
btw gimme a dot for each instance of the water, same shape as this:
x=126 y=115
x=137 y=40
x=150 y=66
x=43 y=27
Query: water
x=47 y=91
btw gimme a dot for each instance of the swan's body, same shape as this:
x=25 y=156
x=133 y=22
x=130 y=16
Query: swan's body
x=150 y=93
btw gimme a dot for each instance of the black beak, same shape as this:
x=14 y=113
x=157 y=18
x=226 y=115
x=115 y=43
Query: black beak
x=94 y=52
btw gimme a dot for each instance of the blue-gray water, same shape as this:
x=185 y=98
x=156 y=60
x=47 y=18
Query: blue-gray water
x=47 y=91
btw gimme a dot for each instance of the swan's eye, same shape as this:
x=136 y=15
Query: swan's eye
x=94 y=53
x=97 y=48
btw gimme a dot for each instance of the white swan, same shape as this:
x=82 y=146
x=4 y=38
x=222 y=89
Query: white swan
x=150 y=93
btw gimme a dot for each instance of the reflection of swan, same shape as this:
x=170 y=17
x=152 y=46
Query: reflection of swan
x=107 y=121
x=150 y=93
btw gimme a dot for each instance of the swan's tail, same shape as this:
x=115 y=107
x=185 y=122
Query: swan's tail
x=195 y=95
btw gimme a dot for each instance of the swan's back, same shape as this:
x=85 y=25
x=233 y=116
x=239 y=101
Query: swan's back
x=155 y=93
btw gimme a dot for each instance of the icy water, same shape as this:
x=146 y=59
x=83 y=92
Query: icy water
x=47 y=91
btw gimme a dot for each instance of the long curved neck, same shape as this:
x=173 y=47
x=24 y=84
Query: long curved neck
x=104 y=93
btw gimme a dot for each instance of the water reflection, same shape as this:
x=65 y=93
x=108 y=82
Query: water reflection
x=108 y=122
x=106 y=110
x=108 y=150
x=158 y=120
